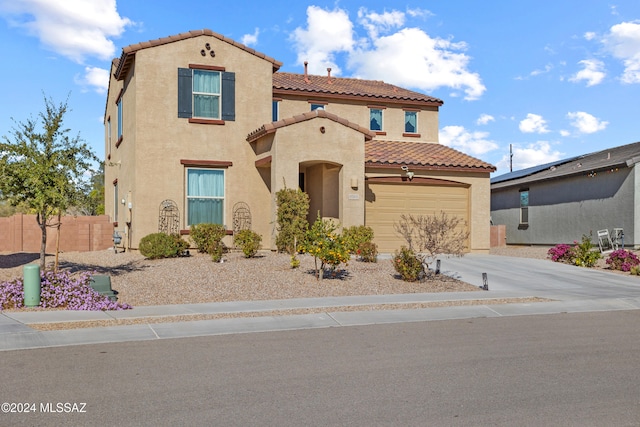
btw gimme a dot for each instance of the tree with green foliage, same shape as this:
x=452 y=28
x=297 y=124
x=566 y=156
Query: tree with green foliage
x=44 y=169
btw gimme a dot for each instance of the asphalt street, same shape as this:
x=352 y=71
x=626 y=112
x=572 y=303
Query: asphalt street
x=576 y=369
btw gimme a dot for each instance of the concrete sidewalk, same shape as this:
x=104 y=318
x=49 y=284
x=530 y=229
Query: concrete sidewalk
x=573 y=289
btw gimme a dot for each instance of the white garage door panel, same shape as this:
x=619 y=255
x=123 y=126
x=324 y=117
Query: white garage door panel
x=391 y=200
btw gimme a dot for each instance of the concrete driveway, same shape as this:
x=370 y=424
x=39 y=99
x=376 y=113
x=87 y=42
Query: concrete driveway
x=541 y=278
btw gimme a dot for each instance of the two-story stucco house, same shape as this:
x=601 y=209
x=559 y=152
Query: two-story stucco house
x=200 y=128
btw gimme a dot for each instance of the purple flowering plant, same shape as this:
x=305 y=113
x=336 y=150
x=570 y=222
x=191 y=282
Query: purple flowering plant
x=562 y=253
x=623 y=260
x=59 y=290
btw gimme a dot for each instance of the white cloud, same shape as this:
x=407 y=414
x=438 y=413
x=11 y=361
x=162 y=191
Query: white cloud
x=327 y=33
x=590 y=35
x=533 y=124
x=565 y=133
x=623 y=42
x=422 y=13
x=592 y=72
x=94 y=78
x=585 y=122
x=250 y=39
x=485 y=119
x=472 y=143
x=376 y=23
x=412 y=58
x=537 y=153
x=72 y=28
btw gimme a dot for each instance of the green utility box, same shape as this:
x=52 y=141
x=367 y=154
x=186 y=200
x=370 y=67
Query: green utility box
x=102 y=284
x=31 y=285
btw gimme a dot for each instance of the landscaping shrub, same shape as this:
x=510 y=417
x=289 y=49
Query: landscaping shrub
x=323 y=244
x=291 y=218
x=407 y=264
x=368 y=252
x=249 y=241
x=355 y=236
x=561 y=253
x=584 y=255
x=623 y=260
x=580 y=254
x=635 y=271
x=160 y=245
x=208 y=237
x=59 y=290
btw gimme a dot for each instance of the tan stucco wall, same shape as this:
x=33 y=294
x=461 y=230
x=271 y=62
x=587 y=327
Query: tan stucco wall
x=479 y=203
x=304 y=144
x=155 y=139
x=357 y=112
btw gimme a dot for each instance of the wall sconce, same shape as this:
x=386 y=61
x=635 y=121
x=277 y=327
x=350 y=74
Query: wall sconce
x=354 y=182
x=123 y=201
x=407 y=172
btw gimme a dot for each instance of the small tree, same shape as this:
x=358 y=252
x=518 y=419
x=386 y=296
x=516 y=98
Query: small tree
x=44 y=170
x=430 y=236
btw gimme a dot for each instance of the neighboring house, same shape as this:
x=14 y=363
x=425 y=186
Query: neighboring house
x=200 y=128
x=560 y=202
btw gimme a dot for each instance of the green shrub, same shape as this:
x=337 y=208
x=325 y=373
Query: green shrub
x=160 y=245
x=407 y=264
x=584 y=255
x=295 y=262
x=249 y=241
x=635 y=270
x=368 y=252
x=355 y=236
x=291 y=218
x=216 y=250
x=207 y=237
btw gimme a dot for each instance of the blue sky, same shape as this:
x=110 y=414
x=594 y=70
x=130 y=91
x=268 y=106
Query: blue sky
x=553 y=79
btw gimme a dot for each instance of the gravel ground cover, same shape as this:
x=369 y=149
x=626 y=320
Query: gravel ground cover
x=196 y=279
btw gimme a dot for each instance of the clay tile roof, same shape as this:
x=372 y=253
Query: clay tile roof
x=128 y=52
x=340 y=86
x=421 y=155
x=272 y=127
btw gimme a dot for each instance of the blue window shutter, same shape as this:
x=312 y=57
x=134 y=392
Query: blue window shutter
x=229 y=96
x=185 y=108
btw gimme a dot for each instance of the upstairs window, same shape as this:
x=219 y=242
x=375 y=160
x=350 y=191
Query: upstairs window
x=317 y=107
x=375 y=119
x=206 y=95
x=524 y=206
x=119 y=104
x=411 y=122
x=275 y=111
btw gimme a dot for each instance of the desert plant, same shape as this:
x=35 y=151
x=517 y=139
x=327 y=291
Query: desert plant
x=430 y=236
x=584 y=255
x=295 y=262
x=623 y=260
x=561 y=253
x=356 y=235
x=207 y=237
x=160 y=245
x=408 y=265
x=291 y=218
x=59 y=290
x=325 y=245
x=368 y=252
x=635 y=271
x=249 y=241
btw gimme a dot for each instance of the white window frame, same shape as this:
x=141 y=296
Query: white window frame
x=115 y=201
x=524 y=208
x=187 y=197
x=213 y=94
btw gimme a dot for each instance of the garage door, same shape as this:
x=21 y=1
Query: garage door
x=385 y=202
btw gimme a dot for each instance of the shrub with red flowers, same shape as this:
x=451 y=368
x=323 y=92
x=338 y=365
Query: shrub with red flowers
x=623 y=260
x=59 y=290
